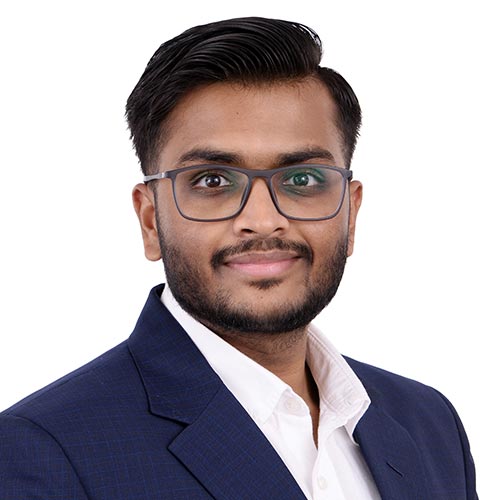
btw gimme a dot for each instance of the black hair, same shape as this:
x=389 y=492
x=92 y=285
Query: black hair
x=249 y=50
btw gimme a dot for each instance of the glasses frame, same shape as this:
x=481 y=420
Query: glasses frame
x=252 y=174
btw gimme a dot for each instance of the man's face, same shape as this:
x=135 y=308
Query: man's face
x=258 y=272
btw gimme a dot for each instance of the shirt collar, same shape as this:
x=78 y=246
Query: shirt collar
x=341 y=391
x=259 y=391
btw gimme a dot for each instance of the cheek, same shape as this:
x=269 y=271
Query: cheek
x=196 y=241
x=327 y=237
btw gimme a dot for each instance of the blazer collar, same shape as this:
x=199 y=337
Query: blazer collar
x=220 y=445
x=178 y=380
x=389 y=450
x=391 y=455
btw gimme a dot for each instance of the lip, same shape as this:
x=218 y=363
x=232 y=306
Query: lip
x=264 y=265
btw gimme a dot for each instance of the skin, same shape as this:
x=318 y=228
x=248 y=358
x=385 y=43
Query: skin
x=255 y=127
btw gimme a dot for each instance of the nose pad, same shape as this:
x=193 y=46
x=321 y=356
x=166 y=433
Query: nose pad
x=260 y=215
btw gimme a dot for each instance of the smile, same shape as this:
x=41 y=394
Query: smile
x=263 y=265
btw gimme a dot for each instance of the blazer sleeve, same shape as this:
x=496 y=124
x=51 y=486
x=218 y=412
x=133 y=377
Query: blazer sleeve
x=469 y=467
x=33 y=465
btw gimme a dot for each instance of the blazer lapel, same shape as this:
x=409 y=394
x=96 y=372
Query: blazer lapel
x=392 y=456
x=221 y=445
x=229 y=455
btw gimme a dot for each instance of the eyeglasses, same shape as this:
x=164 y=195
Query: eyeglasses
x=212 y=193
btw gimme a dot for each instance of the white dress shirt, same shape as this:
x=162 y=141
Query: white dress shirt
x=336 y=468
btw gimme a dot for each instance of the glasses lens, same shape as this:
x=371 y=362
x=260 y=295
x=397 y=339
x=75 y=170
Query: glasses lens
x=309 y=191
x=207 y=193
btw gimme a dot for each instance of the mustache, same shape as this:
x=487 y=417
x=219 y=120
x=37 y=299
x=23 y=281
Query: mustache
x=220 y=256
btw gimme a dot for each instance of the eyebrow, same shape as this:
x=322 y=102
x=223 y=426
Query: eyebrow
x=301 y=156
x=229 y=157
x=212 y=155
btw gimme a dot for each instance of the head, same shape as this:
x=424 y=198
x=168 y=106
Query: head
x=246 y=93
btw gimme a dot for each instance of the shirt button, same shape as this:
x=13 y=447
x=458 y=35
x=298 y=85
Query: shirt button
x=322 y=483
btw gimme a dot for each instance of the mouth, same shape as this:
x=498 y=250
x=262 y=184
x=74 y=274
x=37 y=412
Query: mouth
x=263 y=265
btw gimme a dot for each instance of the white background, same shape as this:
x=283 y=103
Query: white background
x=420 y=295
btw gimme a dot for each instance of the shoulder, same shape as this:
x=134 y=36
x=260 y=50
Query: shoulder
x=385 y=385
x=426 y=414
x=400 y=396
x=46 y=432
x=90 y=386
x=427 y=418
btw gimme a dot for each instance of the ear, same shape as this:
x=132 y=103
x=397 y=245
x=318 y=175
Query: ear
x=144 y=205
x=355 y=198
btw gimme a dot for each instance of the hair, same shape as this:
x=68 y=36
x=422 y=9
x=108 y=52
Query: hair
x=249 y=51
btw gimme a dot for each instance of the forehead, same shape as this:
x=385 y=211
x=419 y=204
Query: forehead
x=257 y=123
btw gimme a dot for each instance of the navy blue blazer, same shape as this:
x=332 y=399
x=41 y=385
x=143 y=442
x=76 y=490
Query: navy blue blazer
x=150 y=419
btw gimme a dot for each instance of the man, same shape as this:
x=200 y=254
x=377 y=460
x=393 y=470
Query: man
x=224 y=389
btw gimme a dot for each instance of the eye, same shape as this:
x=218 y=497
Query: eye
x=303 y=178
x=210 y=180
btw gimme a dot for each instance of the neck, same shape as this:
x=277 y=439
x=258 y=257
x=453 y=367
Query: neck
x=283 y=354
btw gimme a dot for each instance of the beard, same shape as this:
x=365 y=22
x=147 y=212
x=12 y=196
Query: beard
x=216 y=308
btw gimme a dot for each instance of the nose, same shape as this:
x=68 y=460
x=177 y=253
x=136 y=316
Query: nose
x=259 y=216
